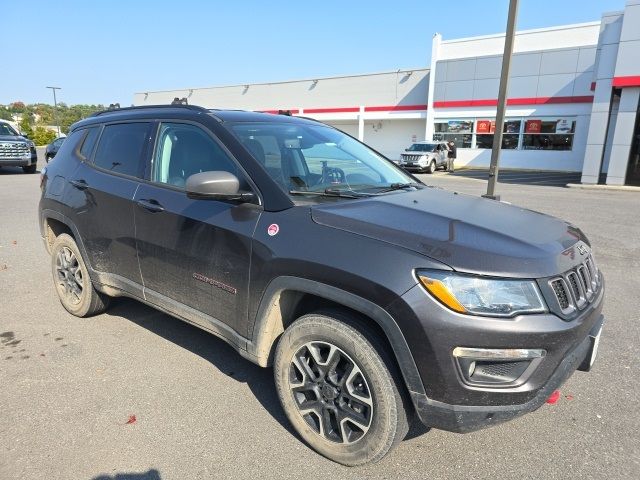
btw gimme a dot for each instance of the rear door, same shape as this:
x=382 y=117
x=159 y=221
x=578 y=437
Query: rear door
x=103 y=201
x=194 y=254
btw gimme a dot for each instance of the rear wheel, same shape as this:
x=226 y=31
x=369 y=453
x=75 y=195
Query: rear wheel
x=339 y=389
x=71 y=278
x=29 y=169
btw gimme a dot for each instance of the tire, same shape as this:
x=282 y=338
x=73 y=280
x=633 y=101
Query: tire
x=432 y=167
x=71 y=280
x=29 y=169
x=379 y=408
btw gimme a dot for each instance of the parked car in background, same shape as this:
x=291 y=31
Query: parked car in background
x=16 y=150
x=376 y=298
x=53 y=148
x=424 y=157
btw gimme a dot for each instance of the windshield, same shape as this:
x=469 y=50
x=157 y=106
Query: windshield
x=5 y=129
x=422 y=147
x=317 y=158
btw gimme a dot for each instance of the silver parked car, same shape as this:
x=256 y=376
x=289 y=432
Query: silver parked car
x=424 y=157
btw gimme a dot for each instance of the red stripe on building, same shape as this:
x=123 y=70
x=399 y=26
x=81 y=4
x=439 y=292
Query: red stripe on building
x=332 y=110
x=629 y=81
x=381 y=108
x=513 y=101
x=275 y=112
x=394 y=108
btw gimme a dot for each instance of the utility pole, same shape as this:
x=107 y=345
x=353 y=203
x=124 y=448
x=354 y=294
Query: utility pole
x=502 y=101
x=55 y=107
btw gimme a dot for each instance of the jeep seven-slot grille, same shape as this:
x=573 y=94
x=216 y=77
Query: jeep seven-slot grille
x=576 y=288
x=14 y=150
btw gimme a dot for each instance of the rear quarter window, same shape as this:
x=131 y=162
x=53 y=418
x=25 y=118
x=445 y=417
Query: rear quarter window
x=71 y=143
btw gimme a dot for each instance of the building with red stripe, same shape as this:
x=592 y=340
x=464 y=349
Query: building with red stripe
x=572 y=100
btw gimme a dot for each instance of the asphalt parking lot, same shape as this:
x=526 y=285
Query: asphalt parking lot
x=70 y=387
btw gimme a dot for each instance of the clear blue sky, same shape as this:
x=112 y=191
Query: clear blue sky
x=103 y=51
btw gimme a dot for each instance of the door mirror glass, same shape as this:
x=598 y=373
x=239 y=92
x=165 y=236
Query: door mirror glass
x=217 y=185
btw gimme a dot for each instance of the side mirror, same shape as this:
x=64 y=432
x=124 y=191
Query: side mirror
x=216 y=185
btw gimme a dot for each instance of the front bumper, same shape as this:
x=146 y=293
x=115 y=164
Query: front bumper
x=449 y=401
x=415 y=168
x=19 y=161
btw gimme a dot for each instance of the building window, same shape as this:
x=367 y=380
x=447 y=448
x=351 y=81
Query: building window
x=517 y=134
x=548 y=134
x=510 y=133
x=460 y=132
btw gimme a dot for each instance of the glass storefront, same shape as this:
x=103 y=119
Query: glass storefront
x=525 y=133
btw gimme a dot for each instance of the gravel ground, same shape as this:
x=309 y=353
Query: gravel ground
x=69 y=386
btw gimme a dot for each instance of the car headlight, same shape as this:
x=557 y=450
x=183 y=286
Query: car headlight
x=477 y=295
x=31 y=144
x=423 y=160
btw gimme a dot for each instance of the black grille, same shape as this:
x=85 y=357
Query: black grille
x=586 y=281
x=573 y=281
x=500 y=369
x=576 y=288
x=561 y=293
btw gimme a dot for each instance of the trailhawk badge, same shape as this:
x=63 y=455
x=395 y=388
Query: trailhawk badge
x=273 y=229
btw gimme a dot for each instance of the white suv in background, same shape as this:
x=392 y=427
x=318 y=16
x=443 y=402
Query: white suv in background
x=424 y=157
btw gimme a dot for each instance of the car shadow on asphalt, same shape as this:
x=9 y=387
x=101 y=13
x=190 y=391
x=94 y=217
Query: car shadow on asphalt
x=209 y=347
x=152 y=474
x=220 y=355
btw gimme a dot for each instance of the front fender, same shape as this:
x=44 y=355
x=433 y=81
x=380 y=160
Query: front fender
x=269 y=325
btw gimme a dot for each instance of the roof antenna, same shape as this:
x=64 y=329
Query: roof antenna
x=114 y=106
x=180 y=101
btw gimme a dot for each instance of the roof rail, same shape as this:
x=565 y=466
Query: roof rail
x=142 y=107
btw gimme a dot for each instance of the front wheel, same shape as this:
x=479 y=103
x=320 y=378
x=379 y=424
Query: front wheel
x=339 y=389
x=432 y=167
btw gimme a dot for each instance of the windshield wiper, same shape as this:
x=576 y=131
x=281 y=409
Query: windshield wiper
x=399 y=186
x=332 y=192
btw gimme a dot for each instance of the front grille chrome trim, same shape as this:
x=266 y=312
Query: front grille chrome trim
x=579 y=285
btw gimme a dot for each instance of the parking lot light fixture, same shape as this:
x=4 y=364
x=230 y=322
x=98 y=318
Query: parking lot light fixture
x=55 y=108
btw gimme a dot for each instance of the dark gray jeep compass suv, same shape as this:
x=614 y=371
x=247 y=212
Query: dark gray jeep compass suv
x=375 y=298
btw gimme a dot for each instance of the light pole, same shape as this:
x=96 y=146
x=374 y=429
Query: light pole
x=502 y=101
x=55 y=107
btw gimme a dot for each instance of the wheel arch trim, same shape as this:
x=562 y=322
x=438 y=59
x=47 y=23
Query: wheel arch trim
x=269 y=323
x=47 y=214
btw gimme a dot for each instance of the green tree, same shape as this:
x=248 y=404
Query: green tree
x=5 y=114
x=25 y=125
x=43 y=136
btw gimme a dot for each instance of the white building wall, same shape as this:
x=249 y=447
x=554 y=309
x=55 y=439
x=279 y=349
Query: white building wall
x=406 y=87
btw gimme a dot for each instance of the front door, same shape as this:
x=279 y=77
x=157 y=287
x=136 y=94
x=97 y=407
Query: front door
x=194 y=255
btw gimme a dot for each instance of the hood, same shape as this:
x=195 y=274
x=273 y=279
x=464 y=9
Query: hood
x=469 y=234
x=13 y=138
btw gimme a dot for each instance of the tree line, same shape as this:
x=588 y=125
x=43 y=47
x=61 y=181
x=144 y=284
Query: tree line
x=32 y=118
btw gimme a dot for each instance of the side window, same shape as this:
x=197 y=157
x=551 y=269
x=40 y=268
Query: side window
x=89 y=142
x=184 y=149
x=121 y=147
x=71 y=143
